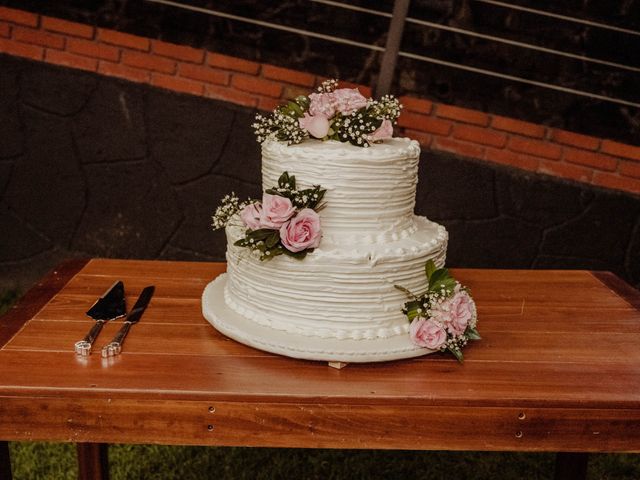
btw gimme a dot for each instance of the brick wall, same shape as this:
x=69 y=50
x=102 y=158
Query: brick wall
x=440 y=127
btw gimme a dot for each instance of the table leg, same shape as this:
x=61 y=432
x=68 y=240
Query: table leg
x=5 y=461
x=93 y=461
x=571 y=466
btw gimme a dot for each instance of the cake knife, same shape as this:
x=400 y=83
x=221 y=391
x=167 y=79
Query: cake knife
x=115 y=346
x=109 y=306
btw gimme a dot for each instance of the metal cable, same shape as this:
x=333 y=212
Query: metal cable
x=275 y=26
x=514 y=78
x=544 y=13
x=409 y=55
x=471 y=33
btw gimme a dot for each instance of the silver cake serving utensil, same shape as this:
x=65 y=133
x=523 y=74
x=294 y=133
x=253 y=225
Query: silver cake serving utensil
x=115 y=346
x=109 y=306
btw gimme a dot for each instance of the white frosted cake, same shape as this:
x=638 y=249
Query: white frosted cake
x=339 y=302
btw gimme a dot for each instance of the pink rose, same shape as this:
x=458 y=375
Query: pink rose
x=250 y=215
x=348 y=100
x=455 y=313
x=276 y=210
x=427 y=333
x=383 y=132
x=302 y=231
x=316 y=125
x=322 y=104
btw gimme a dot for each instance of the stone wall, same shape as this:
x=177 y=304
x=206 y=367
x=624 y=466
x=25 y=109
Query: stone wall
x=95 y=166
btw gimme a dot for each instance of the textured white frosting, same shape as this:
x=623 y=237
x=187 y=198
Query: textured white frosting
x=371 y=192
x=371 y=240
x=340 y=292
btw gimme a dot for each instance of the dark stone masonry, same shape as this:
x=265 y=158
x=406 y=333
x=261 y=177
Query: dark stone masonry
x=94 y=166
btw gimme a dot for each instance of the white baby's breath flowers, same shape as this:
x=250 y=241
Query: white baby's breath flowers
x=328 y=86
x=229 y=206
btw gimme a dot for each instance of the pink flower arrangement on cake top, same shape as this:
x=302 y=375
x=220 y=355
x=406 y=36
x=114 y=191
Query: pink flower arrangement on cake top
x=331 y=113
x=285 y=221
x=316 y=125
x=444 y=317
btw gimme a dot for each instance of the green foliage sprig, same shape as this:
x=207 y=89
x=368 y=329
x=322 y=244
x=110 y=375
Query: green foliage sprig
x=307 y=198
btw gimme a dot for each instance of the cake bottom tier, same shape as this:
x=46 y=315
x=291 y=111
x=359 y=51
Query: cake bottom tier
x=336 y=295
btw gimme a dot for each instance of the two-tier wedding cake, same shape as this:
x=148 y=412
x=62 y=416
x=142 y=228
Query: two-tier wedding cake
x=313 y=268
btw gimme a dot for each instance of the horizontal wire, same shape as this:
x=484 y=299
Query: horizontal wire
x=355 y=8
x=525 y=45
x=275 y=26
x=471 y=33
x=409 y=55
x=514 y=78
x=544 y=13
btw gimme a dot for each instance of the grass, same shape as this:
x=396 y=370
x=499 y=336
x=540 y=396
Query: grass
x=57 y=461
x=36 y=460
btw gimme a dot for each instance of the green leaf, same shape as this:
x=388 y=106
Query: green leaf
x=297 y=255
x=260 y=235
x=413 y=309
x=283 y=180
x=456 y=353
x=320 y=192
x=441 y=279
x=303 y=101
x=243 y=242
x=272 y=240
x=286 y=181
x=448 y=284
x=406 y=291
x=438 y=275
x=309 y=193
x=273 y=252
x=286 y=193
x=472 y=334
x=295 y=109
x=429 y=268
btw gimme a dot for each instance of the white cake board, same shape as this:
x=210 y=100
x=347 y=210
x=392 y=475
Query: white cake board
x=235 y=326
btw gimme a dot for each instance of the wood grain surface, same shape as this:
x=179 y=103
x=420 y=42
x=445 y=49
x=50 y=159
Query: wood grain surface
x=558 y=369
x=37 y=297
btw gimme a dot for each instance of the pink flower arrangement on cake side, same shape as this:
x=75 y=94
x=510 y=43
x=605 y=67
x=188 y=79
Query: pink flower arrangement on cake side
x=443 y=318
x=331 y=113
x=284 y=222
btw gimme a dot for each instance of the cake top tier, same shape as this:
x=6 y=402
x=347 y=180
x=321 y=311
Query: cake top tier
x=331 y=113
x=370 y=192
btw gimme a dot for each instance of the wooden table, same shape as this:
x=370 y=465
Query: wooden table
x=558 y=369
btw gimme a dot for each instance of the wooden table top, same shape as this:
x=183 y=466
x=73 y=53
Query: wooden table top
x=558 y=368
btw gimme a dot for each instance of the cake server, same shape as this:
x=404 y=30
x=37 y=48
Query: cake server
x=110 y=305
x=115 y=346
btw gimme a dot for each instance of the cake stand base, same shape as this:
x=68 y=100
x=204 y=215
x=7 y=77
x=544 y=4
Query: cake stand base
x=290 y=344
x=337 y=365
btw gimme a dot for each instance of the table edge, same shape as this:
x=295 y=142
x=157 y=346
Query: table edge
x=619 y=287
x=37 y=297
